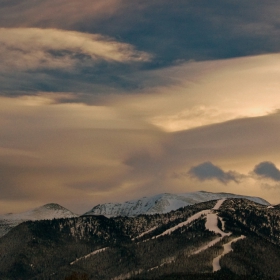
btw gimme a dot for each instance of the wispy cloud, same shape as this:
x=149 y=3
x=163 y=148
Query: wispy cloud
x=35 y=48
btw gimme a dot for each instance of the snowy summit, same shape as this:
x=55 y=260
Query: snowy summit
x=162 y=203
x=46 y=212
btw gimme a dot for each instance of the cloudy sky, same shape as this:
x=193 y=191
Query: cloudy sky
x=110 y=100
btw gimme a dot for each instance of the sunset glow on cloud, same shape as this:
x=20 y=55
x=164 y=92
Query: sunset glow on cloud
x=98 y=103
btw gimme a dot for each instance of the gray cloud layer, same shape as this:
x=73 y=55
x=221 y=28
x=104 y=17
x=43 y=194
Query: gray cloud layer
x=268 y=170
x=187 y=30
x=193 y=29
x=209 y=171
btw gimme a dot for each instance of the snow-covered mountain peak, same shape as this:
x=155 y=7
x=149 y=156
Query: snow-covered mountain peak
x=162 y=203
x=46 y=212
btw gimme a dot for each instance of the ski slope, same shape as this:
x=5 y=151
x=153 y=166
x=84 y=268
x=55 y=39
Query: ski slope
x=227 y=249
x=89 y=255
x=188 y=221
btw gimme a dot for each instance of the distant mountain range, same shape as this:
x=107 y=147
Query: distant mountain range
x=228 y=238
x=162 y=203
x=158 y=204
x=46 y=212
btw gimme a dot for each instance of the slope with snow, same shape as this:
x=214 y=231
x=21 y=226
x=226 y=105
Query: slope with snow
x=188 y=221
x=89 y=255
x=227 y=249
x=46 y=212
x=162 y=203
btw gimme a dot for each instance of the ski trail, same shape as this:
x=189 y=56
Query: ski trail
x=211 y=224
x=188 y=221
x=208 y=245
x=227 y=249
x=144 y=233
x=218 y=204
x=90 y=254
x=172 y=259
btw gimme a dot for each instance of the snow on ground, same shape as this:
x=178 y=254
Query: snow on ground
x=144 y=233
x=188 y=221
x=171 y=259
x=212 y=224
x=161 y=203
x=212 y=220
x=208 y=245
x=227 y=249
x=46 y=212
x=218 y=204
x=89 y=255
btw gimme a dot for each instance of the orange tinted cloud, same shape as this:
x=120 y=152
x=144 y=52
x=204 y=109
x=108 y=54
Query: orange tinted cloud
x=71 y=152
x=35 y=48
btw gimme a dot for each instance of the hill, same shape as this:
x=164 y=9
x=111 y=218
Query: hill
x=232 y=238
x=46 y=212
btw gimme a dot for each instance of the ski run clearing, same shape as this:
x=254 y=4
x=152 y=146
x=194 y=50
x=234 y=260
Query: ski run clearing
x=218 y=204
x=91 y=254
x=144 y=233
x=227 y=249
x=208 y=245
x=211 y=225
x=188 y=221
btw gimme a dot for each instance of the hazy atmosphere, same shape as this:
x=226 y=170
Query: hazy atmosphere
x=111 y=100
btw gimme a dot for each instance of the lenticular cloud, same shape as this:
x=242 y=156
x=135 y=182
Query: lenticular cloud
x=32 y=48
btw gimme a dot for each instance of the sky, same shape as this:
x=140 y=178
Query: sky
x=111 y=100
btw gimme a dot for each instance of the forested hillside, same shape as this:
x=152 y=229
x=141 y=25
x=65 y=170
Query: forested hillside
x=190 y=242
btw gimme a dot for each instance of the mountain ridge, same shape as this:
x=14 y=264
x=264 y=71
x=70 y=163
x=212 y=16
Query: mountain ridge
x=236 y=237
x=162 y=203
x=48 y=211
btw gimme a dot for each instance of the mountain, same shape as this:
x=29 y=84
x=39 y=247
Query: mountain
x=162 y=203
x=233 y=238
x=46 y=212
